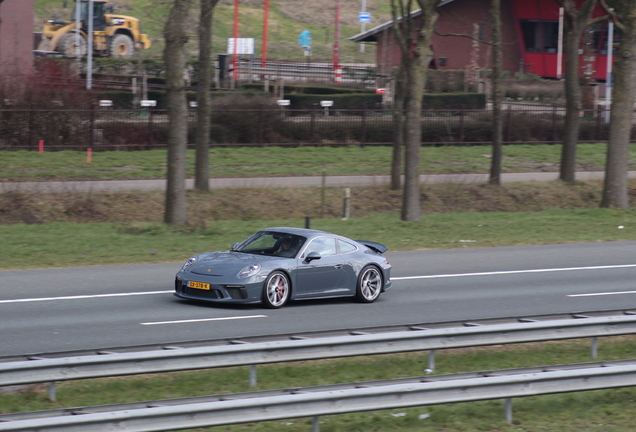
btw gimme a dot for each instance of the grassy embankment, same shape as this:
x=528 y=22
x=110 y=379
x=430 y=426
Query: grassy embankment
x=92 y=228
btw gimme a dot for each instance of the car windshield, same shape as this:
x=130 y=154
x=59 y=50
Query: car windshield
x=272 y=243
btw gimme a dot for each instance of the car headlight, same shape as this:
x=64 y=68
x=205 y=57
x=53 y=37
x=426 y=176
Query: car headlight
x=188 y=263
x=249 y=271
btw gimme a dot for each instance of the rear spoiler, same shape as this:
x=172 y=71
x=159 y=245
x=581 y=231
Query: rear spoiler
x=377 y=247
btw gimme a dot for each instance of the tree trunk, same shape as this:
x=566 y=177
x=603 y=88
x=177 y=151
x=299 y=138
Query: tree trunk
x=497 y=121
x=204 y=106
x=398 y=131
x=411 y=201
x=622 y=111
x=175 y=33
x=572 y=103
x=574 y=23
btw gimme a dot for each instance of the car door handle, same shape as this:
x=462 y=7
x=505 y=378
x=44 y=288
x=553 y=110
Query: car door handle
x=338 y=266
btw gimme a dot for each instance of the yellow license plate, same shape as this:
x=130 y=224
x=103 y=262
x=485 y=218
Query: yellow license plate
x=198 y=285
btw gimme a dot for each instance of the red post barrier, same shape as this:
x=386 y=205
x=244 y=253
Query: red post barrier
x=41 y=146
x=89 y=155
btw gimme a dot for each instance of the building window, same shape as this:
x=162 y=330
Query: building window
x=480 y=32
x=550 y=36
x=540 y=36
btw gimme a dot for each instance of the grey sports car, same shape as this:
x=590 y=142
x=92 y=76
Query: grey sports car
x=279 y=264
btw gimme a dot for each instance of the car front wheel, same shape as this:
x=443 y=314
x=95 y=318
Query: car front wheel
x=276 y=290
x=369 y=285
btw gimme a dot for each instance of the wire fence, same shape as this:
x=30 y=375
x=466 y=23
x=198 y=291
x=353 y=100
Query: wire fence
x=265 y=125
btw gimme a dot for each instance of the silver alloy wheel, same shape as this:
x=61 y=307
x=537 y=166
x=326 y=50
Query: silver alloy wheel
x=369 y=284
x=276 y=290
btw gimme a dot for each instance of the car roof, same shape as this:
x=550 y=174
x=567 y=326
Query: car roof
x=300 y=231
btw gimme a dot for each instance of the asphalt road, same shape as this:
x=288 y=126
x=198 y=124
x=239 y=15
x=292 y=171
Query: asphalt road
x=273 y=182
x=64 y=309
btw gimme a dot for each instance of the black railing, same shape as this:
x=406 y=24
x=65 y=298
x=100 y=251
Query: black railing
x=141 y=129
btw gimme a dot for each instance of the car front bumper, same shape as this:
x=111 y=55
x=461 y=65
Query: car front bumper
x=219 y=292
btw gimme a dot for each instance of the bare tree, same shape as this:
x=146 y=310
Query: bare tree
x=176 y=36
x=497 y=67
x=414 y=40
x=398 y=131
x=575 y=21
x=623 y=13
x=204 y=106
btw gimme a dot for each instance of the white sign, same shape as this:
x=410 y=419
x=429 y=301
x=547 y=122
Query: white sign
x=243 y=46
x=364 y=17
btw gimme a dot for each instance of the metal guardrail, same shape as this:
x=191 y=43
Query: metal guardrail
x=388 y=395
x=414 y=326
x=119 y=364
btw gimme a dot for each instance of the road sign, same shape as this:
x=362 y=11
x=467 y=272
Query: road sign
x=304 y=39
x=243 y=46
x=364 y=17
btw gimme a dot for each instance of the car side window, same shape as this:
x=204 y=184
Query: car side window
x=325 y=246
x=346 y=247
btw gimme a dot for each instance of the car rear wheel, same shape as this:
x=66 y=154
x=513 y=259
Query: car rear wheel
x=369 y=284
x=276 y=290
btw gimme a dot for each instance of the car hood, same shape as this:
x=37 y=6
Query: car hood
x=225 y=263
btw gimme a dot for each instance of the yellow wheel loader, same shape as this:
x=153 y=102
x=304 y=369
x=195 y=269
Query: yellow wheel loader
x=113 y=35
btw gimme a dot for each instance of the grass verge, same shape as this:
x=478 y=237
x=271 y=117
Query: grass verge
x=607 y=410
x=66 y=244
x=282 y=161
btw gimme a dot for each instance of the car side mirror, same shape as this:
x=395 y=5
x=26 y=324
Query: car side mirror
x=312 y=256
x=234 y=246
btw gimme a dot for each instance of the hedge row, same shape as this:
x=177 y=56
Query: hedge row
x=64 y=128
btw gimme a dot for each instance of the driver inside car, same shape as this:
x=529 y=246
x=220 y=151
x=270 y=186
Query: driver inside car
x=285 y=249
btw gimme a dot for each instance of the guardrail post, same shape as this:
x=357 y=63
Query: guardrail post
x=31 y=124
x=253 y=376
x=259 y=132
x=508 y=409
x=363 y=131
x=312 y=124
x=431 y=361
x=52 y=392
x=150 y=131
x=91 y=132
x=462 y=114
x=554 y=124
x=315 y=426
x=594 y=347
x=509 y=124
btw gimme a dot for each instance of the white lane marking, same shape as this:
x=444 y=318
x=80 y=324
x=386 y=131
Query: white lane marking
x=83 y=297
x=514 y=272
x=204 y=320
x=602 y=294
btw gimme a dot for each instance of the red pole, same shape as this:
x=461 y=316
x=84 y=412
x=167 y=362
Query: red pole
x=265 y=28
x=236 y=24
x=336 y=41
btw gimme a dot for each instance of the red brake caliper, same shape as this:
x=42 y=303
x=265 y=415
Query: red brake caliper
x=281 y=289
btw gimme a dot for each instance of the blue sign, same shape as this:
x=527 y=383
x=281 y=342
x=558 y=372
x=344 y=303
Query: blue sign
x=364 y=17
x=304 y=39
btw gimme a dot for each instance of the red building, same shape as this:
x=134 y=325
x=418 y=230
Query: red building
x=16 y=37
x=531 y=32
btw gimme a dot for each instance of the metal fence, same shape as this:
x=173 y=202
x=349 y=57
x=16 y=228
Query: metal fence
x=145 y=128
